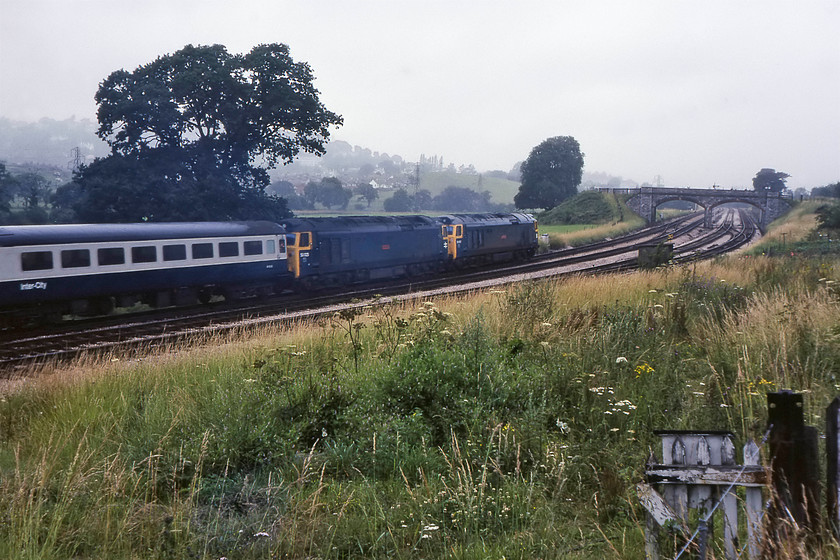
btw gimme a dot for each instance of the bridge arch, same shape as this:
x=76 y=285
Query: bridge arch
x=770 y=205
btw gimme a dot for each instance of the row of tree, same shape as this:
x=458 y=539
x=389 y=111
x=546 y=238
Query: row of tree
x=330 y=193
x=451 y=199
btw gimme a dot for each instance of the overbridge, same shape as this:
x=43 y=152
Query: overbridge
x=770 y=205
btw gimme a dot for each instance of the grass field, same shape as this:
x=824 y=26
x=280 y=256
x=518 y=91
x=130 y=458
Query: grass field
x=510 y=423
x=502 y=190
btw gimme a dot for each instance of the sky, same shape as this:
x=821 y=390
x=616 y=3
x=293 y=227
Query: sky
x=699 y=93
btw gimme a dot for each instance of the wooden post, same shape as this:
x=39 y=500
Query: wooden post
x=754 y=503
x=794 y=461
x=832 y=450
x=730 y=503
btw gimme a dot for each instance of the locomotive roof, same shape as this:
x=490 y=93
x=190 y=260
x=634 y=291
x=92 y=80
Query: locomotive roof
x=359 y=223
x=92 y=233
x=488 y=218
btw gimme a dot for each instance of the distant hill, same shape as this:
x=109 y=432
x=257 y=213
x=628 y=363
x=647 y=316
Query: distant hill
x=49 y=142
x=588 y=207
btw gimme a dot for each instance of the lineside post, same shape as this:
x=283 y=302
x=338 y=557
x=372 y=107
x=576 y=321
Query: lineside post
x=794 y=462
x=832 y=450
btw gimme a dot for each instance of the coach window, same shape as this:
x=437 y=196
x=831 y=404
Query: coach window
x=269 y=246
x=111 y=256
x=144 y=254
x=229 y=249
x=174 y=252
x=252 y=247
x=75 y=258
x=36 y=260
x=202 y=250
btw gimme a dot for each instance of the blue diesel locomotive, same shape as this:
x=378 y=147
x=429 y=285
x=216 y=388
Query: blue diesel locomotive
x=334 y=251
x=53 y=270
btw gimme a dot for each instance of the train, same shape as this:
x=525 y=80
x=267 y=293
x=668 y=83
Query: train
x=50 y=271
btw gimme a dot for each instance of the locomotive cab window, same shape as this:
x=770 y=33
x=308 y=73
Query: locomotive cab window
x=144 y=254
x=229 y=249
x=75 y=258
x=36 y=260
x=252 y=247
x=202 y=250
x=174 y=252
x=303 y=240
x=110 y=256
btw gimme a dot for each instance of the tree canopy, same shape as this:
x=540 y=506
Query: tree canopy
x=462 y=199
x=832 y=190
x=400 y=201
x=186 y=130
x=769 y=180
x=551 y=173
x=328 y=192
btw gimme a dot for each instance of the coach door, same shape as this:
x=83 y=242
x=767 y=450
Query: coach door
x=451 y=235
x=298 y=251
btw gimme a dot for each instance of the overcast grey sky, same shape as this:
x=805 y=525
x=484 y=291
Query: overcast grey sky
x=699 y=92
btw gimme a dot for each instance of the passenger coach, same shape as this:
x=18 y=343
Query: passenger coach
x=87 y=268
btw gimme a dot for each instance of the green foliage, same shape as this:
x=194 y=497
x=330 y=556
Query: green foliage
x=501 y=189
x=400 y=201
x=185 y=129
x=159 y=186
x=551 y=173
x=828 y=216
x=463 y=199
x=516 y=430
x=590 y=207
x=769 y=179
x=328 y=192
x=831 y=191
x=367 y=192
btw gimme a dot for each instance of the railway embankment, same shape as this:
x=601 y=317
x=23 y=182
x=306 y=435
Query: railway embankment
x=513 y=421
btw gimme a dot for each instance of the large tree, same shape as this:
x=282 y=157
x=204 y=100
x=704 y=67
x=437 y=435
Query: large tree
x=769 y=180
x=551 y=173
x=187 y=130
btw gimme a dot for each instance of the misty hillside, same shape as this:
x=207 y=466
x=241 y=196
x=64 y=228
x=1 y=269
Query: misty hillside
x=50 y=142
x=61 y=145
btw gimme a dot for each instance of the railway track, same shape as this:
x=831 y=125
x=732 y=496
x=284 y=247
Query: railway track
x=21 y=350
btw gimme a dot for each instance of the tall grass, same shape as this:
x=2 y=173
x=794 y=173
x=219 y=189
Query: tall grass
x=512 y=423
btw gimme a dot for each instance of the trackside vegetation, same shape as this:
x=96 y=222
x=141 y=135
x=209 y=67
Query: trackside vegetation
x=606 y=214
x=510 y=423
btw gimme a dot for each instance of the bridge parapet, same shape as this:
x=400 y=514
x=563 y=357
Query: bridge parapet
x=771 y=205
